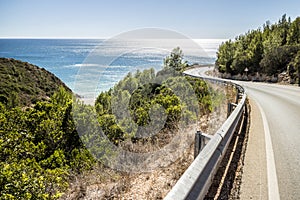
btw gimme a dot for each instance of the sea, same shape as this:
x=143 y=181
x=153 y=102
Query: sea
x=89 y=66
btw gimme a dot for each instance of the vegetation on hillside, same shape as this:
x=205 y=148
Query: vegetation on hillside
x=40 y=147
x=143 y=91
x=268 y=51
x=25 y=84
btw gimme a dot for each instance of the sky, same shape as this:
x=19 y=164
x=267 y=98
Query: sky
x=198 y=19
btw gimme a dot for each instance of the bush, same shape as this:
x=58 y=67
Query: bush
x=39 y=147
x=143 y=91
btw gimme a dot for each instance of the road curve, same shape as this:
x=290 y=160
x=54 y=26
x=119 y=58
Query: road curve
x=279 y=107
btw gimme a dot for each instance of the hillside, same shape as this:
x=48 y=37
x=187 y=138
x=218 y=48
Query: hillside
x=271 y=53
x=25 y=84
x=42 y=147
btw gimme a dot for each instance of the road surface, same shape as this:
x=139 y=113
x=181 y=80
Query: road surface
x=273 y=152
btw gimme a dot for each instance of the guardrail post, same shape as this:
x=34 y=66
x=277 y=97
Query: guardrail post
x=230 y=107
x=237 y=97
x=198 y=143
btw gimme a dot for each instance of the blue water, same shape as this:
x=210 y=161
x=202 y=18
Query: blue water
x=65 y=57
x=53 y=55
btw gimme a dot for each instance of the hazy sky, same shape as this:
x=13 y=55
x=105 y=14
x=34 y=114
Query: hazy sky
x=106 y=18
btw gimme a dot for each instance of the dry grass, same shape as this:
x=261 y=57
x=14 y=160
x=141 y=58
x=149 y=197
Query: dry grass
x=105 y=183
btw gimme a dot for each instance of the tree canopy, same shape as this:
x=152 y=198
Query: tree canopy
x=270 y=50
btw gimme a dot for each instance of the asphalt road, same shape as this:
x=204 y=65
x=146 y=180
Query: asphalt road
x=279 y=107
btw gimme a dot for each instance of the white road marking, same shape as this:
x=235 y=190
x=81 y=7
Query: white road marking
x=273 y=190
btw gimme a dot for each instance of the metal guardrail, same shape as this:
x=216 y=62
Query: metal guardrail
x=197 y=179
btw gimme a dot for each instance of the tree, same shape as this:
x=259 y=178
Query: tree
x=277 y=60
x=295 y=65
x=225 y=56
x=267 y=51
x=175 y=60
x=293 y=36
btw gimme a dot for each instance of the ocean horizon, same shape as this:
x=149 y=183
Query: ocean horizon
x=69 y=58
